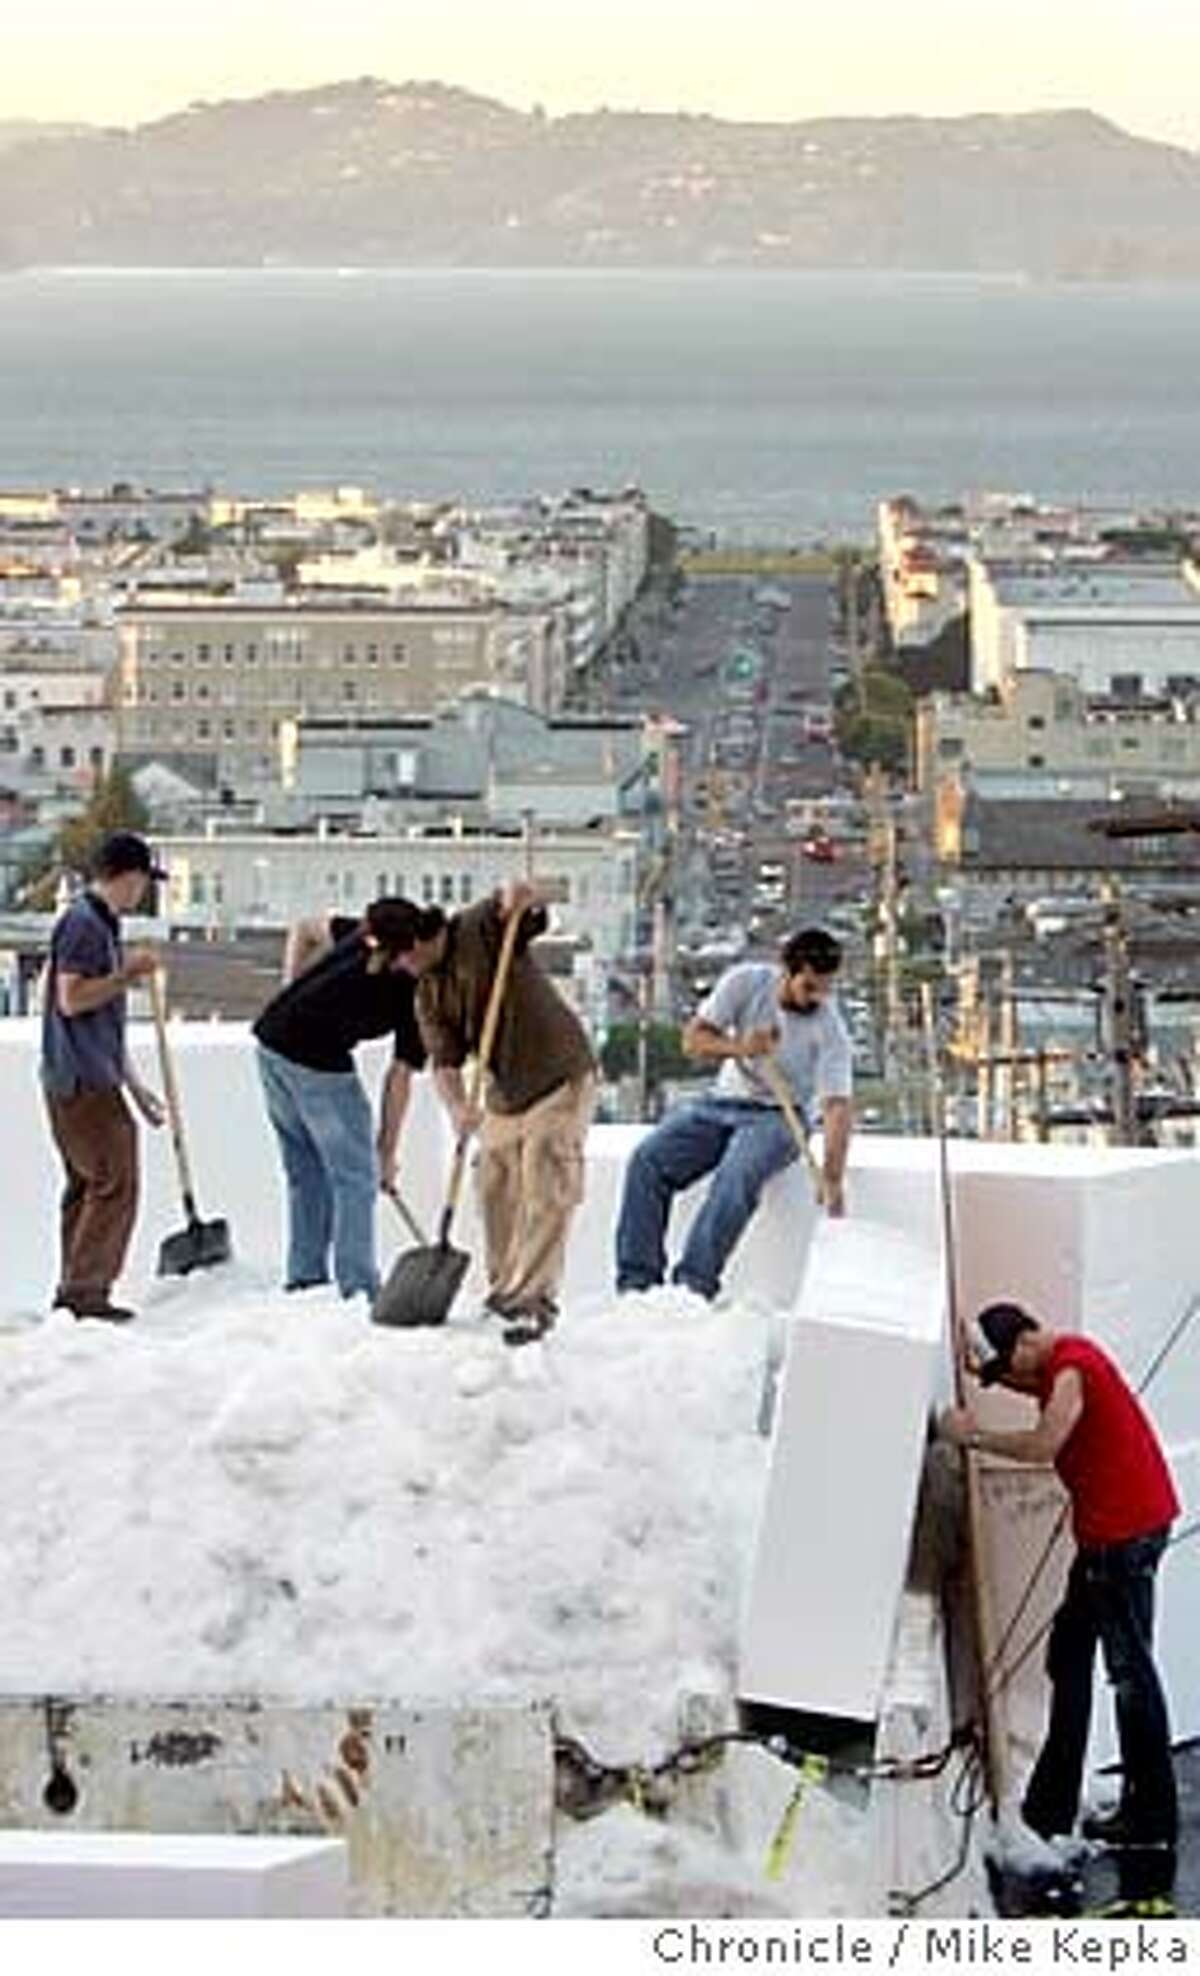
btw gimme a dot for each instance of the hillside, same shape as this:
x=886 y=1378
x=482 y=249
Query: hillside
x=420 y=174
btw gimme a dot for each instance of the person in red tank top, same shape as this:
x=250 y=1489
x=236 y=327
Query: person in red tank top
x=1094 y=1429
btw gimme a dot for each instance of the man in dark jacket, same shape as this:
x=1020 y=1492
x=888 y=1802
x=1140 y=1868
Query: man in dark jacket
x=1123 y=1502
x=85 y=1071
x=359 y=987
x=538 y=1102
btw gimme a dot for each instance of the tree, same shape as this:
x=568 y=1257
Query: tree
x=664 y=1053
x=113 y=805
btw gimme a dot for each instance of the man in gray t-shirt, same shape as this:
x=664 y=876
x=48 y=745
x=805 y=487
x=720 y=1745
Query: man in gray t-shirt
x=738 y=1132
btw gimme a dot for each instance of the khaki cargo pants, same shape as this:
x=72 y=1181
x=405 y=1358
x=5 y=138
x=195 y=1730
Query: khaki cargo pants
x=530 y=1184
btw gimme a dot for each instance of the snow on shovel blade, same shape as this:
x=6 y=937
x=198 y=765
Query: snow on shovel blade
x=201 y=1245
x=421 y=1287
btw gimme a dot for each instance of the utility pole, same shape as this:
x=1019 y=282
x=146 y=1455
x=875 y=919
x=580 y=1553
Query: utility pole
x=1008 y=1046
x=1117 y=1018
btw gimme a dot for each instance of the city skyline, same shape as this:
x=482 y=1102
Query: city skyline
x=132 y=61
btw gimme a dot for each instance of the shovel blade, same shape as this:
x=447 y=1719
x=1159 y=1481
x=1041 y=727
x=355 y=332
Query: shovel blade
x=421 y=1287
x=201 y=1245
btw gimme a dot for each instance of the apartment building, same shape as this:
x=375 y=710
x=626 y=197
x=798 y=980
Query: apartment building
x=213 y=680
x=1043 y=735
x=922 y=558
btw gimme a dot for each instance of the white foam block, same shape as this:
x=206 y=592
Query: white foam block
x=143 y=1875
x=862 y=1365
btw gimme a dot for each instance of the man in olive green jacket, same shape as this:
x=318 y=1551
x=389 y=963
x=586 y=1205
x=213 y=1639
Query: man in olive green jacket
x=538 y=1102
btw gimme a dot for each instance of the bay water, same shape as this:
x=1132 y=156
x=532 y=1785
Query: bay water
x=775 y=407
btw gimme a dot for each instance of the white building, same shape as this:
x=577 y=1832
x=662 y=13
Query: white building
x=1121 y=629
x=237 y=879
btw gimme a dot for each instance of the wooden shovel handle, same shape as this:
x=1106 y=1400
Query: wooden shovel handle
x=483 y=1057
x=777 y=1083
x=158 y=1008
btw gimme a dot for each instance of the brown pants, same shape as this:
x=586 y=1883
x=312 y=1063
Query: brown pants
x=530 y=1184
x=97 y=1139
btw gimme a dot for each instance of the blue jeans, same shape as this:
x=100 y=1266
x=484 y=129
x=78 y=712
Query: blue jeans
x=323 y=1124
x=745 y=1143
x=1109 y=1602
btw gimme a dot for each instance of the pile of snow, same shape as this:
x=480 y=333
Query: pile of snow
x=247 y=1493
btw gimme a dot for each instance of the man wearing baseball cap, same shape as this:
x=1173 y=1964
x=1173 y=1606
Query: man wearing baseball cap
x=86 y=1071
x=1123 y=1502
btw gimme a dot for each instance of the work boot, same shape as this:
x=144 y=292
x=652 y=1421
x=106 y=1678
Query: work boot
x=1116 y=1827
x=97 y=1307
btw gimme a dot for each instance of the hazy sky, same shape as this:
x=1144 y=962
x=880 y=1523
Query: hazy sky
x=124 y=61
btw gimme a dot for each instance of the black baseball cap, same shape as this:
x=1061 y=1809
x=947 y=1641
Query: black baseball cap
x=124 y=850
x=1001 y=1325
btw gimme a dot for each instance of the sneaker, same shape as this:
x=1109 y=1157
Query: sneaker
x=496 y=1304
x=524 y=1325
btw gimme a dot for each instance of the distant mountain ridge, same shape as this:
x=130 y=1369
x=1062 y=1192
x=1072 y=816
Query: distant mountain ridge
x=372 y=173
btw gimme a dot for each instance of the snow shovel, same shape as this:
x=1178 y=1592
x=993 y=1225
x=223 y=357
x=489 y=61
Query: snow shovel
x=202 y=1244
x=424 y=1282
x=777 y=1083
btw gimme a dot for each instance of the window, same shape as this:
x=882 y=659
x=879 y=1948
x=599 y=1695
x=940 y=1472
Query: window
x=1036 y=720
x=228 y=729
x=203 y=730
x=1037 y=761
x=447 y=888
x=203 y=655
x=399 y=655
x=349 y=689
x=179 y=689
x=466 y=888
x=380 y=884
x=37 y=756
x=372 y=655
x=428 y=889
x=203 y=690
x=252 y=655
x=227 y=655
x=349 y=656
x=198 y=888
x=96 y=757
x=66 y=758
